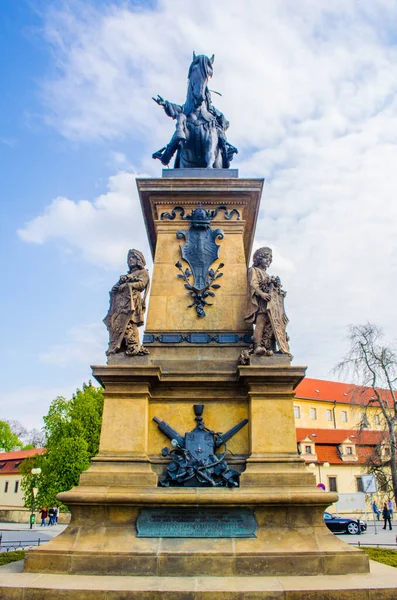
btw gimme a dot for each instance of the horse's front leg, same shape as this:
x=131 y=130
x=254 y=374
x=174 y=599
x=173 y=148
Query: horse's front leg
x=212 y=144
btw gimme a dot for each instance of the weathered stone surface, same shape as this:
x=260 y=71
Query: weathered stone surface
x=104 y=540
x=379 y=584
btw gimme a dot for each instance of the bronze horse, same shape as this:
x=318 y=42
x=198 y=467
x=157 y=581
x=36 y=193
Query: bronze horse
x=200 y=134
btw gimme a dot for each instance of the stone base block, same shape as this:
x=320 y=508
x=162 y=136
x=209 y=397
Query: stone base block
x=379 y=584
x=290 y=539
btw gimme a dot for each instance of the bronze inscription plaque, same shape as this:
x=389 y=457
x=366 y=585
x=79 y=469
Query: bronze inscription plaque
x=197 y=523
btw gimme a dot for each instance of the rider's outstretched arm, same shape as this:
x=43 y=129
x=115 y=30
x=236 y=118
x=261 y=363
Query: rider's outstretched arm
x=171 y=110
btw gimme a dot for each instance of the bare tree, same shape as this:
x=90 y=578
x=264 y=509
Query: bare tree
x=36 y=438
x=374 y=366
x=17 y=428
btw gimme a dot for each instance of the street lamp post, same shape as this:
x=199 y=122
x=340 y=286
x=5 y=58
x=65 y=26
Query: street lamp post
x=319 y=465
x=35 y=472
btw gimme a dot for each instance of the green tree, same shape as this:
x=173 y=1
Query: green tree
x=8 y=439
x=72 y=430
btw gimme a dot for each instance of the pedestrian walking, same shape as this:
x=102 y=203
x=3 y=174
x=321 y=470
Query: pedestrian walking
x=43 y=516
x=51 y=514
x=56 y=515
x=390 y=507
x=386 y=516
x=376 y=510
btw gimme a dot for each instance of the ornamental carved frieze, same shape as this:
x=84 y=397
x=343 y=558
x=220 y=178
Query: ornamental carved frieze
x=200 y=251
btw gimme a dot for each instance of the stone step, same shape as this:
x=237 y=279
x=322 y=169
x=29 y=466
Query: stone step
x=381 y=582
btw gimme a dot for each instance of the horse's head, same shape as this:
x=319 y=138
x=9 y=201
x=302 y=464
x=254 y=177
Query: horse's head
x=199 y=72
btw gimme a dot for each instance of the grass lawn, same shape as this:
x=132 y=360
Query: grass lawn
x=8 y=557
x=382 y=555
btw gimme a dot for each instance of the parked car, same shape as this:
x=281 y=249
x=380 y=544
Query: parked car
x=343 y=525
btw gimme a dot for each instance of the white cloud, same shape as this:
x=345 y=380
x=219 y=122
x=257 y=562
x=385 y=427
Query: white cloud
x=84 y=344
x=119 y=160
x=27 y=404
x=102 y=230
x=310 y=89
x=277 y=63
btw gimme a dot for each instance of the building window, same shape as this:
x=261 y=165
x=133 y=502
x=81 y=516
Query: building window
x=359 y=484
x=332 y=484
x=349 y=450
x=377 y=420
x=297 y=412
x=344 y=416
x=6 y=487
x=328 y=414
x=308 y=449
x=313 y=413
x=387 y=451
x=16 y=487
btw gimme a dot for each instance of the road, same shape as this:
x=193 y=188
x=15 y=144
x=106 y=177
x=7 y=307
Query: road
x=20 y=532
x=384 y=538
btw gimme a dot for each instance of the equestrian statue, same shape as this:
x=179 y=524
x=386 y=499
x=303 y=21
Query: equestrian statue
x=199 y=139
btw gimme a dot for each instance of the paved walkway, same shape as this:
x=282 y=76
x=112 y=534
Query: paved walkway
x=53 y=530
x=384 y=538
x=21 y=534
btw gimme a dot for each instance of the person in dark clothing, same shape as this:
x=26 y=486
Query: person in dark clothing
x=51 y=514
x=43 y=516
x=386 y=516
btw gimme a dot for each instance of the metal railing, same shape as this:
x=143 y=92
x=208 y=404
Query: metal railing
x=377 y=545
x=11 y=545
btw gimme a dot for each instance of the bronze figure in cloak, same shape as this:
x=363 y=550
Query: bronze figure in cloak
x=127 y=307
x=265 y=307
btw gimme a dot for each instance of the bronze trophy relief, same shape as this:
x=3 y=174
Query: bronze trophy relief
x=194 y=458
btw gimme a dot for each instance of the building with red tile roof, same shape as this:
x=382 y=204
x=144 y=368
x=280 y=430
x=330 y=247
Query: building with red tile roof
x=336 y=435
x=11 y=497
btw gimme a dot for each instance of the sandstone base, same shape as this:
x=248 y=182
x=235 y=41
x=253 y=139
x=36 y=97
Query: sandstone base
x=379 y=584
x=291 y=538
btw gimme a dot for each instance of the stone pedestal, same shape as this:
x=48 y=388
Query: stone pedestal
x=196 y=360
x=170 y=324
x=291 y=537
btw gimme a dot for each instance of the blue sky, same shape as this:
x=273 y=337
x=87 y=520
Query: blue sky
x=310 y=90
